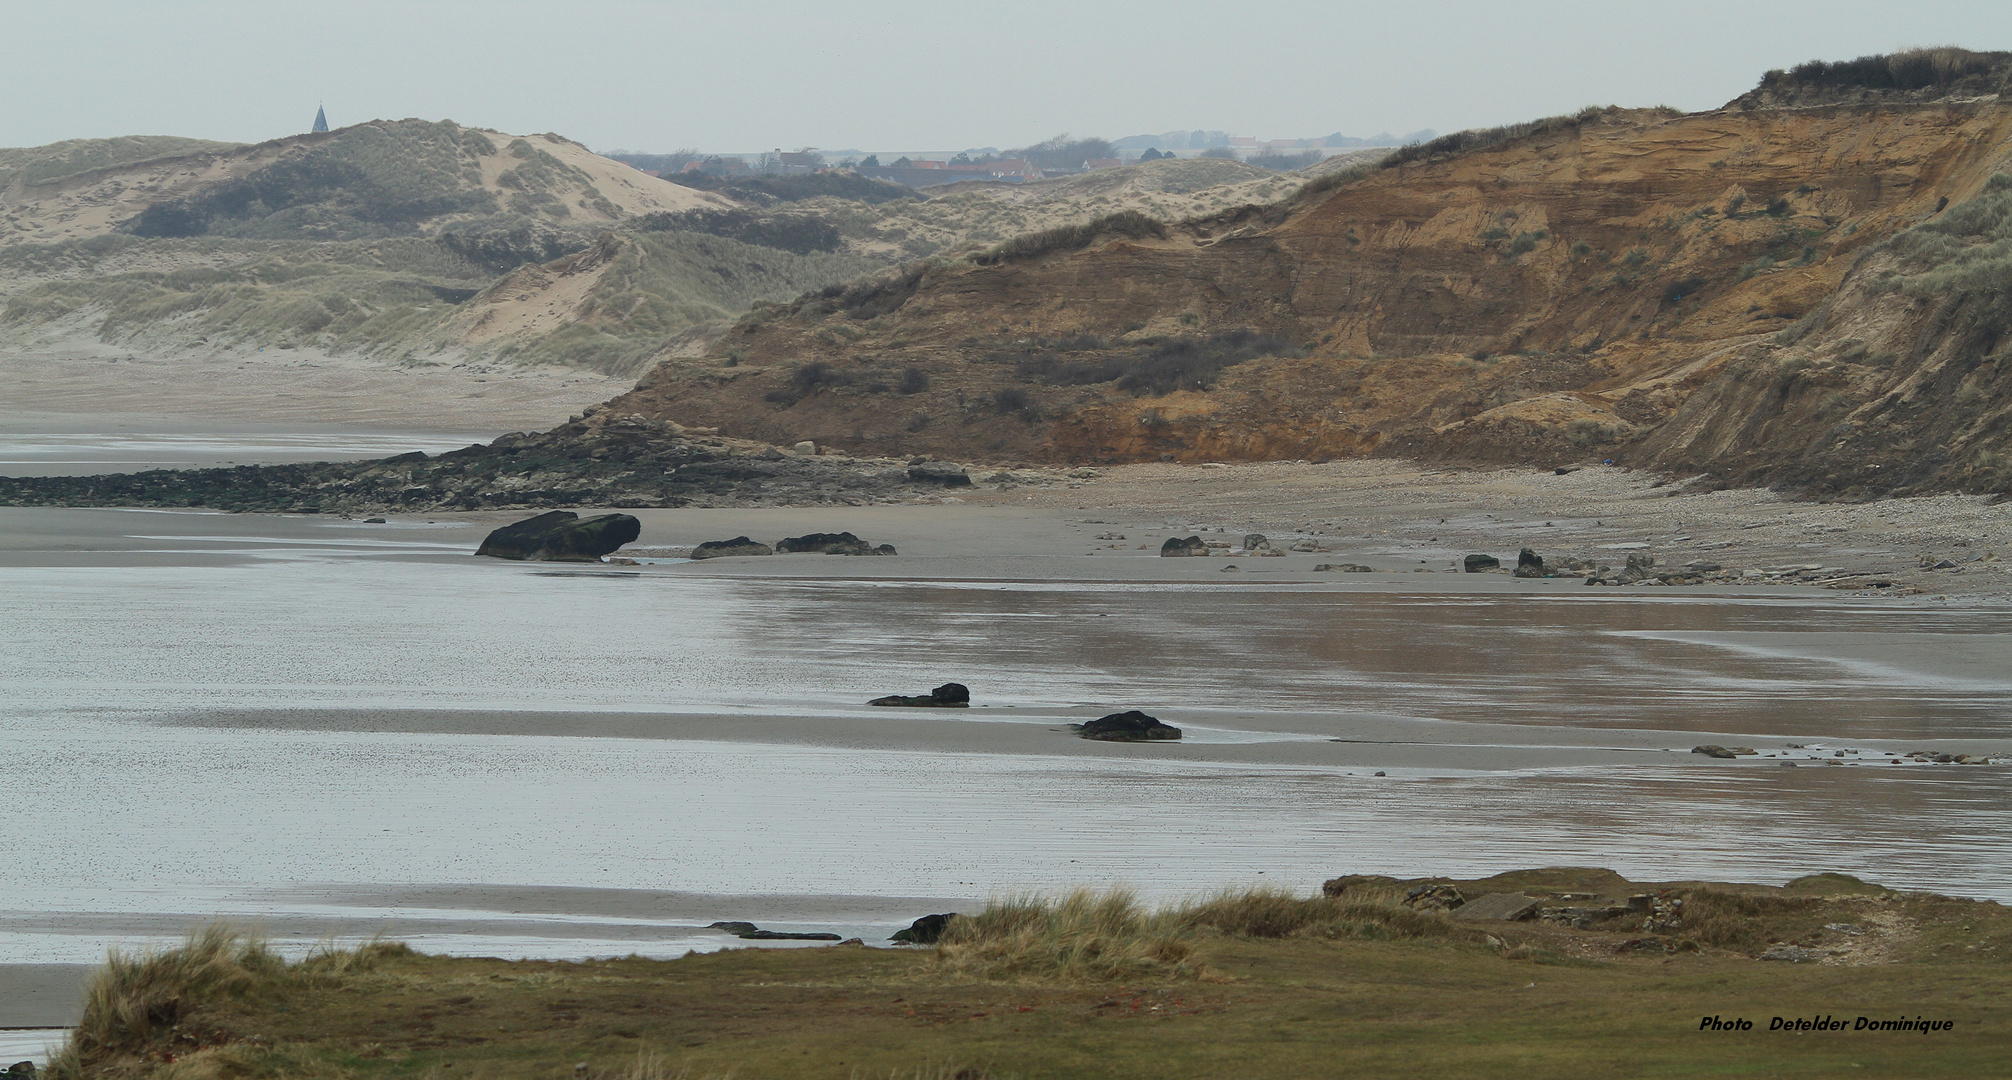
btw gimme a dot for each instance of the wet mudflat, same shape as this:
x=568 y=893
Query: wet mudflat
x=341 y=728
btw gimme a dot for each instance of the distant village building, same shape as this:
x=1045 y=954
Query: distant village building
x=320 y=120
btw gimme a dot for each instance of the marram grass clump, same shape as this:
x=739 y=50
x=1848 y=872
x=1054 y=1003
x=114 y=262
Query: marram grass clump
x=158 y=1006
x=1093 y=936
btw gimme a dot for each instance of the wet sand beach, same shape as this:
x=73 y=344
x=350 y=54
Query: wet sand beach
x=333 y=728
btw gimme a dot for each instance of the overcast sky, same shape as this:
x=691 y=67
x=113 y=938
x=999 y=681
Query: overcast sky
x=654 y=75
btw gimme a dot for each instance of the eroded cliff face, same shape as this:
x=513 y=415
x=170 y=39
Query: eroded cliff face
x=1894 y=385
x=1555 y=298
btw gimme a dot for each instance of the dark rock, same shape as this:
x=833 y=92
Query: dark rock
x=948 y=696
x=1129 y=726
x=1340 y=886
x=779 y=935
x=739 y=545
x=1434 y=897
x=1794 y=954
x=1529 y=564
x=1193 y=545
x=1501 y=906
x=21 y=1070
x=1475 y=564
x=927 y=930
x=946 y=473
x=561 y=536
x=734 y=927
x=1346 y=568
x=1713 y=750
x=1643 y=944
x=830 y=544
x=373 y=521
x=1256 y=542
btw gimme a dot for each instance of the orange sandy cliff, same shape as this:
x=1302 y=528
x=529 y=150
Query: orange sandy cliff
x=1556 y=297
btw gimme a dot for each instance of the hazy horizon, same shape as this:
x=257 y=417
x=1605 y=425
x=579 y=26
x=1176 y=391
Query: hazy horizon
x=650 y=77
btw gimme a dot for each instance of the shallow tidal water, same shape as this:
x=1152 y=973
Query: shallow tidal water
x=198 y=728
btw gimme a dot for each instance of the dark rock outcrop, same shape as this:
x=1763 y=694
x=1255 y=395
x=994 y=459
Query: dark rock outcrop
x=739 y=545
x=1175 y=546
x=947 y=473
x=1713 y=750
x=597 y=460
x=927 y=930
x=751 y=932
x=1346 y=568
x=1475 y=564
x=1529 y=564
x=1256 y=542
x=1434 y=896
x=843 y=543
x=948 y=696
x=1129 y=726
x=561 y=536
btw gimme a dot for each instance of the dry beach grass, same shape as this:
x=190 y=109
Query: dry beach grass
x=1252 y=983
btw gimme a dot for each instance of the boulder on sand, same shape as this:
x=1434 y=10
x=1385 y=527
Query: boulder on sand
x=927 y=930
x=1475 y=564
x=561 y=536
x=1129 y=726
x=739 y=545
x=1175 y=546
x=947 y=473
x=843 y=543
x=951 y=695
x=1256 y=542
x=1529 y=564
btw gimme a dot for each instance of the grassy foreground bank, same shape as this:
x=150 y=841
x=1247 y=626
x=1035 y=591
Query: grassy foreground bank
x=1251 y=984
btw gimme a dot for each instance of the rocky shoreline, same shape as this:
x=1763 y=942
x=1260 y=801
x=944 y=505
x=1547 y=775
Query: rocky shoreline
x=626 y=462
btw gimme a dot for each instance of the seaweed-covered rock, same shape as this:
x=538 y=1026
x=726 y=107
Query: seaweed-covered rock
x=927 y=930
x=843 y=543
x=950 y=695
x=1129 y=726
x=1476 y=564
x=1529 y=564
x=739 y=545
x=561 y=536
x=1175 y=546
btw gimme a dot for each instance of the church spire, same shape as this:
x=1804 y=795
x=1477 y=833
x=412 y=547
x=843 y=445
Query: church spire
x=320 y=119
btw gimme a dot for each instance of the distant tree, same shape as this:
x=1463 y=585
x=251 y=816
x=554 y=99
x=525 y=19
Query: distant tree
x=768 y=163
x=1285 y=162
x=1220 y=152
x=903 y=163
x=872 y=161
x=961 y=159
x=1062 y=152
x=1153 y=154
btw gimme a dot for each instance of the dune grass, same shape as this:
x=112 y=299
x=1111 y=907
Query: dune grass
x=1246 y=982
x=1109 y=936
x=155 y=1006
